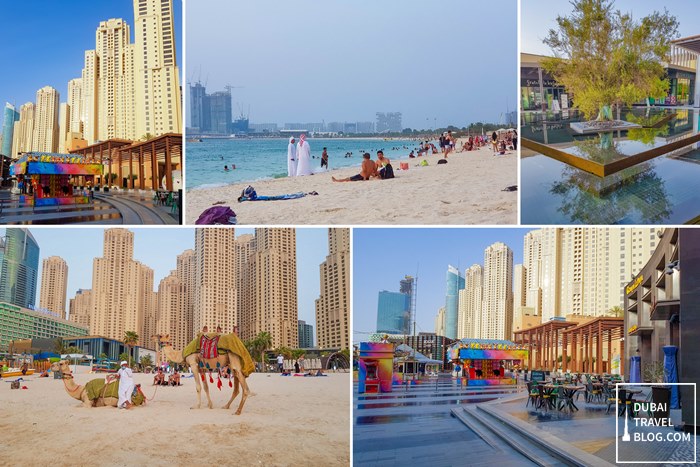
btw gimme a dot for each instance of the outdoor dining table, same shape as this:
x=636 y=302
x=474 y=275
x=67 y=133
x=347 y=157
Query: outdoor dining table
x=546 y=396
x=567 y=396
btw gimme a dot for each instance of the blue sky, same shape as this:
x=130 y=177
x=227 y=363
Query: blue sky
x=539 y=16
x=44 y=42
x=382 y=257
x=307 y=60
x=158 y=248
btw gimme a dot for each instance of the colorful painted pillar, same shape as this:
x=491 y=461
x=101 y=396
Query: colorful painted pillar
x=376 y=364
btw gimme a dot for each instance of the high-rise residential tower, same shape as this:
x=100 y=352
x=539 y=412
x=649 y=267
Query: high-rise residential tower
x=187 y=273
x=215 y=280
x=306 y=335
x=469 y=319
x=455 y=283
x=54 y=285
x=24 y=130
x=172 y=311
x=81 y=308
x=333 y=304
x=497 y=306
x=122 y=288
x=157 y=81
x=273 y=273
x=19 y=267
x=45 y=134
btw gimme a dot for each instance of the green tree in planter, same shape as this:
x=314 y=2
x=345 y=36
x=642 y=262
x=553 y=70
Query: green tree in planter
x=607 y=58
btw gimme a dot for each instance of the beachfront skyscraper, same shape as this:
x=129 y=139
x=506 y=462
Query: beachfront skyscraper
x=333 y=304
x=108 y=84
x=80 y=308
x=215 y=280
x=273 y=273
x=393 y=312
x=75 y=104
x=155 y=69
x=10 y=116
x=200 y=118
x=497 y=306
x=187 y=273
x=388 y=122
x=440 y=322
x=220 y=113
x=54 y=285
x=469 y=319
x=455 y=283
x=45 y=134
x=63 y=125
x=580 y=270
x=19 y=267
x=121 y=287
x=24 y=130
x=172 y=311
x=306 y=335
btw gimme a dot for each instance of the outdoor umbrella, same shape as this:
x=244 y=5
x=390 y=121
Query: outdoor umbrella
x=671 y=373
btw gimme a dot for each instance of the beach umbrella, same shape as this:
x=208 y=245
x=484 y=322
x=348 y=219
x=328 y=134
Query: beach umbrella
x=671 y=373
x=635 y=369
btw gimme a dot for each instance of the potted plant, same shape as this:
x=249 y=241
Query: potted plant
x=661 y=395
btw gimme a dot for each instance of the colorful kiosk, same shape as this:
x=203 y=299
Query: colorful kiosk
x=49 y=179
x=486 y=361
x=376 y=367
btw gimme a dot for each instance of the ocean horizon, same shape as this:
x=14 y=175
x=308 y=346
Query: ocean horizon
x=266 y=158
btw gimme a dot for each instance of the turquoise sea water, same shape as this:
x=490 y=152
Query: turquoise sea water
x=257 y=159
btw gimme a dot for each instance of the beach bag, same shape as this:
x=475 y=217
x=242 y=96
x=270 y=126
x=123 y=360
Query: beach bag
x=386 y=172
x=423 y=163
x=249 y=192
x=442 y=161
x=404 y=165
x=217 y=215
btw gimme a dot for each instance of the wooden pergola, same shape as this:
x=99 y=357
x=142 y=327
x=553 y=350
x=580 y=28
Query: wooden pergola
x=544 y=342
x=582 y=339
x=142 y=161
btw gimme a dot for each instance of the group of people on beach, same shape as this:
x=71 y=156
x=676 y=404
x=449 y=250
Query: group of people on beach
x=381 y=168
x=299 y=157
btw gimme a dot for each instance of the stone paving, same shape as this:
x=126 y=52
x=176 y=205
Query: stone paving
x=415 y=427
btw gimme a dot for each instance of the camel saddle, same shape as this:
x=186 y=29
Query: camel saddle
x=224 y=343
x=208 y=346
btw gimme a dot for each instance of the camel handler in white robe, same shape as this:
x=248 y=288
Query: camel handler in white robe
x=291 y=158
x=126 y=385
x=303 y=157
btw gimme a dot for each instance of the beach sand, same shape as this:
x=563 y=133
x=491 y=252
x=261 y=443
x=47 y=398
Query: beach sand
x=466 y=190
x=288 y=421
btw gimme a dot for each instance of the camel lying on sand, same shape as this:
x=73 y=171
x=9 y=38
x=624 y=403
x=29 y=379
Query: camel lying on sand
x=79 y=392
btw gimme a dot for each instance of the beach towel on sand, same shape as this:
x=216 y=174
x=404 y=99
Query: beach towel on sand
x=272 y=198
x=227 y=343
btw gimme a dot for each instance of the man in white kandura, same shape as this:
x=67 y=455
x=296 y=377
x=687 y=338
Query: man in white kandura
x=126 y=385
x=303 y=157
x=291 y=158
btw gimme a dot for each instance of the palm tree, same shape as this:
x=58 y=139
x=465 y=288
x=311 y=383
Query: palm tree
x=261 y=343
x=130 y=340
x=59 y=347
x=146 y=361
x=616 y=312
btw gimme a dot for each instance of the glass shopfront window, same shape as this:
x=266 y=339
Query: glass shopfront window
x=532 y=94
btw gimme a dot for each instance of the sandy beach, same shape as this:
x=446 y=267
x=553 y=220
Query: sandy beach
x=288 y=421
x=465 y=191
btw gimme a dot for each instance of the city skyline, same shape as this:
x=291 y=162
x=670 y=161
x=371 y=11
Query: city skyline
x=421 y=252
x=85 y=244
x=64 y=54
x=375 y=61
x=538 y=17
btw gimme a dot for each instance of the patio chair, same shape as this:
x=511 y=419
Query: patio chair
x=533 y=394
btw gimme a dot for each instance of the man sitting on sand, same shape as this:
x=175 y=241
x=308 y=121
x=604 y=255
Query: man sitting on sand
x=369 y=169
x=174 y=379
x=159 y=378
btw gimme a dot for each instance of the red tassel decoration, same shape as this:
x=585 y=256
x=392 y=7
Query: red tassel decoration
x=230 y=384
x=218 y=384
x=203 y=380
x=211 y=380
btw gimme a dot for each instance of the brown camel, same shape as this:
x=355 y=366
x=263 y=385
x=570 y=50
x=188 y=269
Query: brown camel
x=228 y=359
x=77 y=391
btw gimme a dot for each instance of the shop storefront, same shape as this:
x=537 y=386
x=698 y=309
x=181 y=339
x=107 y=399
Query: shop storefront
x=487 y=362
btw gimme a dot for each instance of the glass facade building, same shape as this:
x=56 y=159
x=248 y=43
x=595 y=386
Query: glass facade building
x=10 y=116
x=19 y=266
x=455 y=283
x=306 y=335
x=393 y=313
x=21 y=323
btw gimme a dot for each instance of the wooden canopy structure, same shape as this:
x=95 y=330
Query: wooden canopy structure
x=544 y=342
x=138 y=164
x=582 y=339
